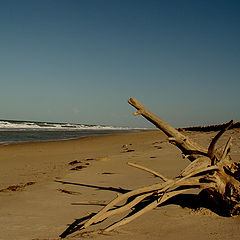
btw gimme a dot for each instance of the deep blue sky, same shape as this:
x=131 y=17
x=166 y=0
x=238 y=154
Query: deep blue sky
x=80 y=60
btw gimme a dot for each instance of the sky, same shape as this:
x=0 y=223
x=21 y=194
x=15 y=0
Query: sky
x=79 y=61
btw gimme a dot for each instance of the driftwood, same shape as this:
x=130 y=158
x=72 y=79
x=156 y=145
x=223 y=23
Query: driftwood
x=209 y=128
x=210 y=170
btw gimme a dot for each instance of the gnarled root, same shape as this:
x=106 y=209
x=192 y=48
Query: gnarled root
x=211 y=170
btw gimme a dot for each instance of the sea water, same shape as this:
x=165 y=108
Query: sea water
x=29 y=131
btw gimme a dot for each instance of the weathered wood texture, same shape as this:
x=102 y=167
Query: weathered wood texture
x=210 y=170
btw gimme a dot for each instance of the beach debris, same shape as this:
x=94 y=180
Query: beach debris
x=125 y=148
x=74 y=162
x=211 y=170
x=209 y=128
x=67 y=191
x=78 y=167
x=107 y=173
x=19 y=187
x=130 y=150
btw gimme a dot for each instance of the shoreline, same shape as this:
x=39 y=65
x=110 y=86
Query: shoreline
x=29 y=154
x=45 y=186
x=27 y=136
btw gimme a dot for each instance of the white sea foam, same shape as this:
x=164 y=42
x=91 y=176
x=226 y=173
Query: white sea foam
x=28 y=131
x=9 y=125
x=27 y=125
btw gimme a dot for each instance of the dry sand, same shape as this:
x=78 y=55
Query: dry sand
x=36 y=205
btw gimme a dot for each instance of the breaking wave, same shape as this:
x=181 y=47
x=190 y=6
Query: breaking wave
x=30 y=131
x=31 y=125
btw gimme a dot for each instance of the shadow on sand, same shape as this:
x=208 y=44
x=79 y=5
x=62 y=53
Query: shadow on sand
x=78 y=223
x=191 y=201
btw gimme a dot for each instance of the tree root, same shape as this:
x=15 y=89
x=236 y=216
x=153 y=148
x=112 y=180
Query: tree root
x=210 y=170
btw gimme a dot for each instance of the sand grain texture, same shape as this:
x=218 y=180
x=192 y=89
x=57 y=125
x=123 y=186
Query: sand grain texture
x=43 y=209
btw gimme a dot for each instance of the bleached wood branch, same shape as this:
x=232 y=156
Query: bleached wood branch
x=226 y=149
x=211 y=170
x=187 y=146
x=148 y=170
x=148 y=208
x=211 y=148
x=162 y=187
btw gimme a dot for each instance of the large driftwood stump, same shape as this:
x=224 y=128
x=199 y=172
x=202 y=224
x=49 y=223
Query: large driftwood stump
x=210 y=170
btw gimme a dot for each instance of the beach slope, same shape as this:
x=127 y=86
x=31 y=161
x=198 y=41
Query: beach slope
x=44 y=187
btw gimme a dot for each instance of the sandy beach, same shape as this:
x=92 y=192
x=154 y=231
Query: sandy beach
x=46 y=186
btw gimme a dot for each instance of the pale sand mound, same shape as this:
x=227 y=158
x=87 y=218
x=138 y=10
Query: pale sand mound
x=36 y=206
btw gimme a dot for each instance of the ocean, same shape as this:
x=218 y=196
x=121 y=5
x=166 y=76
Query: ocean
x=12 y=131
